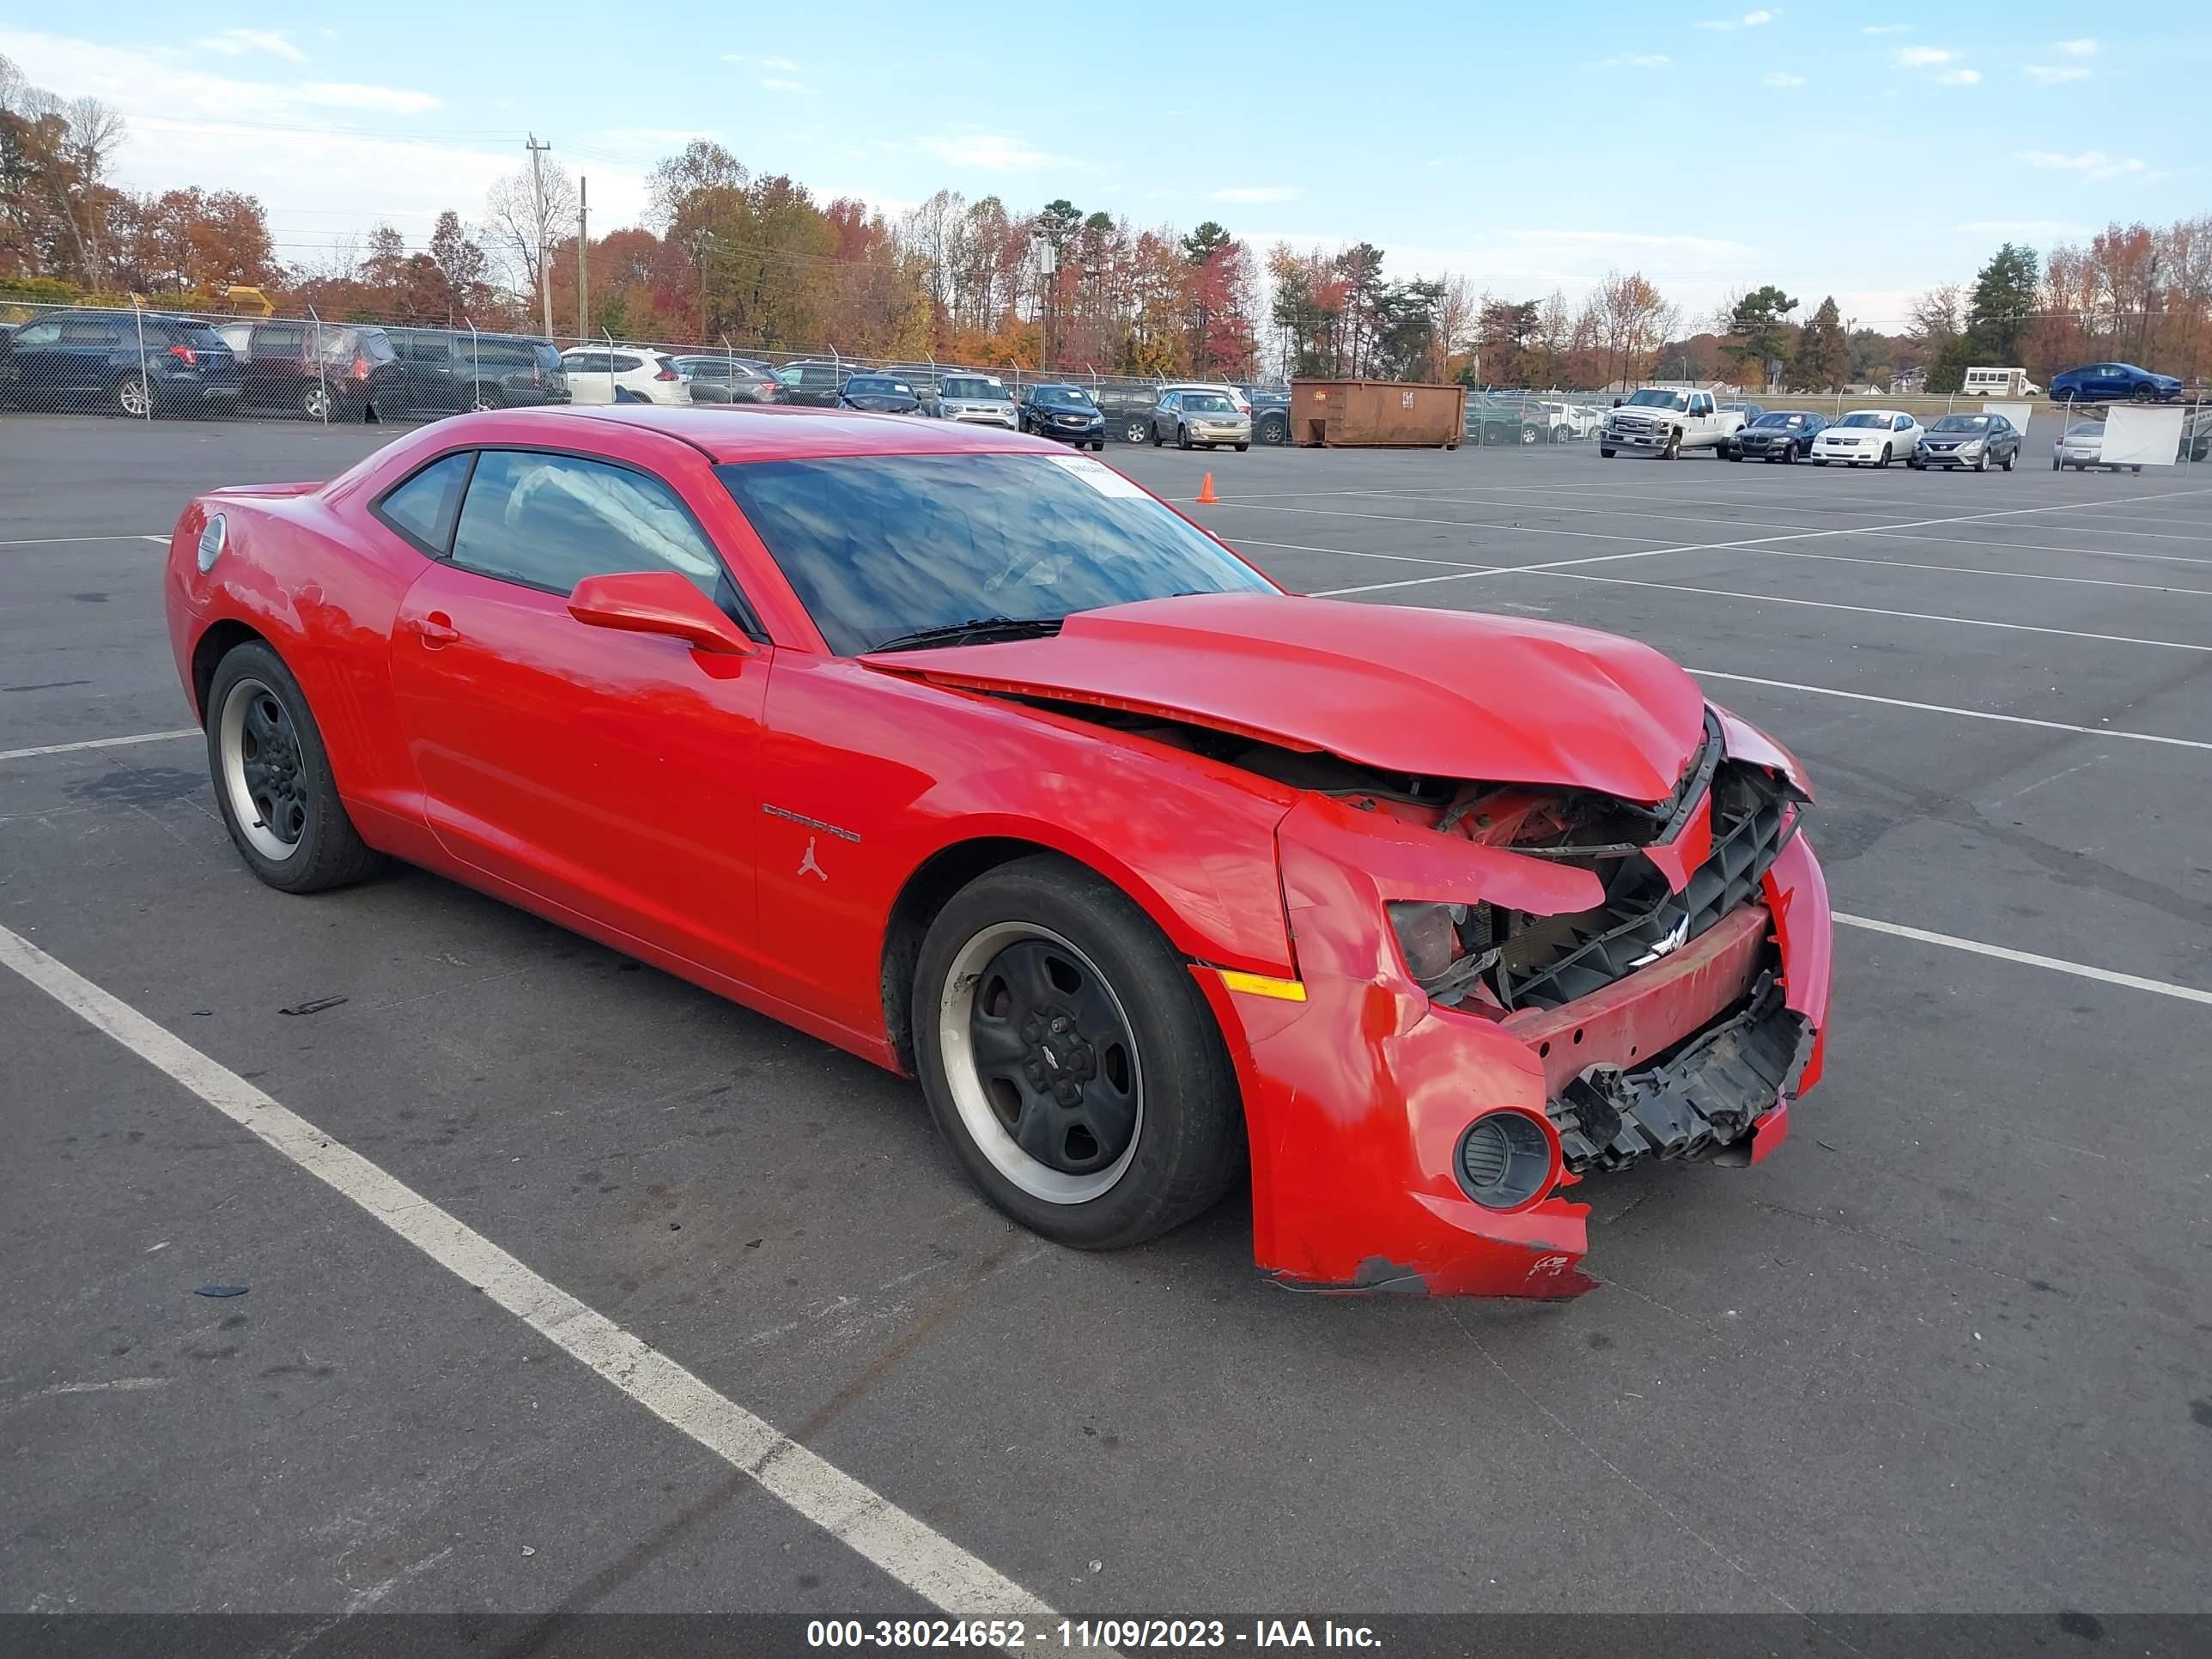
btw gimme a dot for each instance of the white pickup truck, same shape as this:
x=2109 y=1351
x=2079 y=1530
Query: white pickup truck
x=1664 y=422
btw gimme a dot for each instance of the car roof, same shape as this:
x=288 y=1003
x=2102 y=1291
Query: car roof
x=748 y=433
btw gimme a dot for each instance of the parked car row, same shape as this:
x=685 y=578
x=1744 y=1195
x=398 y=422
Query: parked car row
x=136 y=363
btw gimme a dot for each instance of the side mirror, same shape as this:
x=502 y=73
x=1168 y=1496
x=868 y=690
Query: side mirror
x=659 y=602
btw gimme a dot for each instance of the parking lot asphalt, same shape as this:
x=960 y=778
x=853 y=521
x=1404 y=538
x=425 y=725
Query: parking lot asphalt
x=1950 y=1351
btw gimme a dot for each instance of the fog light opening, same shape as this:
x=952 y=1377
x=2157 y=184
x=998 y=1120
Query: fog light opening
x=1505 y=1160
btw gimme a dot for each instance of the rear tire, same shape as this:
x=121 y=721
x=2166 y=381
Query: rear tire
x=272 y=778
x=1241 y=448
x=1119 y=1022
x=1136 y=431
x=132 y=398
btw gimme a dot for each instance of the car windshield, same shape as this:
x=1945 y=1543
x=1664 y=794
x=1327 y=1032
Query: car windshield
x=973 y=386
x=1864 y=417
x=1064 y=397
x=1962 y=423
x=1779 y=420
x=1653 y=398
x=1207 y=402
x=2085 y=429
x=877 y=547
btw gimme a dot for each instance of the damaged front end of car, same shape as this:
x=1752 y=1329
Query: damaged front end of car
x=1507 y=990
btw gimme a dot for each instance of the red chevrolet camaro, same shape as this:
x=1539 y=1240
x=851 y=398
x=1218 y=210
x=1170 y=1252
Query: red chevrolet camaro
x=966 y=753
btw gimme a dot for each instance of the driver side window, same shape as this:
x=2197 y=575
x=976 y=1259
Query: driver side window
x=548 y=521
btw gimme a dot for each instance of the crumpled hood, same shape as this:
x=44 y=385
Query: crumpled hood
x=1439 y=693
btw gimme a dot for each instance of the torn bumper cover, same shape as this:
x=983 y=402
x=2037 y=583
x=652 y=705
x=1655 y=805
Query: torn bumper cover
x=1361 y=1099
x=1701 y=1104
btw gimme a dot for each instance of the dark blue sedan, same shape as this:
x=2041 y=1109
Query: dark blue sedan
x=2114 y=382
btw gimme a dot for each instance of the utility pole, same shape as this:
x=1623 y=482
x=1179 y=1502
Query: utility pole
x=583 y=256
x=701 y=242
x=538 y=199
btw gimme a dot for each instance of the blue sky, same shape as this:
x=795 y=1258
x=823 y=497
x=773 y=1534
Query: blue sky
x=1316 y=123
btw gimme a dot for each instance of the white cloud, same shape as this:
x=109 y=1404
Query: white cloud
x=1943 y=61
x=1779 y=78
x=993 y=152
x=1750 y=19
x=236 y=43
x=1259 y=193
x=1887 y=28
x=783 y=63
x=2091 y=164
x=140 y=82
x=2051 y=75
x=780 y=83
x=2078 y=48
x=1641 y=60
x=189 y=125
x=383 y=100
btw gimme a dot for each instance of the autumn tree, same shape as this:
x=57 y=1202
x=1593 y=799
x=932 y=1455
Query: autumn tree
x=1824 y=353
x=525 y=214
x=1631 y=321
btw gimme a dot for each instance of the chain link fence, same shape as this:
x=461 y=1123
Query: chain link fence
x=144 y=363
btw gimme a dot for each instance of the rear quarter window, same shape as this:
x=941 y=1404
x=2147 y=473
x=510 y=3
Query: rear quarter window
x=423 y=507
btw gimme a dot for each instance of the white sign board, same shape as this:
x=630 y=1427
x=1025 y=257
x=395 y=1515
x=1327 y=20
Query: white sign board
x=2141 y=437
x=2018 y=414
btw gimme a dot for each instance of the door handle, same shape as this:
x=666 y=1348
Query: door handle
x=437 y=628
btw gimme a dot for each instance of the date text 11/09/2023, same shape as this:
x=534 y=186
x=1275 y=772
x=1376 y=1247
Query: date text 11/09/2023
x=1015 y=1635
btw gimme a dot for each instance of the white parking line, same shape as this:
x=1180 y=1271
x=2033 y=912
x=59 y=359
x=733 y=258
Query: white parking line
x=1946 y=708
x=98 y=743
x=1861 y=609
x=1697 y=547
x=2056 y=965
x=1978 y=571
x=1347 y=553
x=909 y=1550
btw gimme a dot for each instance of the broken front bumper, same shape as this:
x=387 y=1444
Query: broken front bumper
x=1357 y=1097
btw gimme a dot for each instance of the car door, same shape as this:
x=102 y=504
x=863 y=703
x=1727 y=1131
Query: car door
x=590 y=379
x=1907 y=435
x=42 y=377
x=431 y=384
x=604 y=773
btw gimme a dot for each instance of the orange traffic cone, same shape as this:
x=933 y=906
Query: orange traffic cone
x=1205 y=495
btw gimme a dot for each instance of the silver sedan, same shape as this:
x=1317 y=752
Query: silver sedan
x=1199 y=420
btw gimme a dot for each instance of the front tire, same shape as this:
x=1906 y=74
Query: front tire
x=1606 y=454
x=272 y=778
x=1183 y=437
x=1672 y=452
x=1070 y=1059
x=1886 y=457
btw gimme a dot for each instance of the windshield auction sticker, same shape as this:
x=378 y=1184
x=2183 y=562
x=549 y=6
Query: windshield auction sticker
x=1100 y=477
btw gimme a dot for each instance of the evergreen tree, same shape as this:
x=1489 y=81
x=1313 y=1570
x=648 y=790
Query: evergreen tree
x=2003 y=302
x=1824 y=351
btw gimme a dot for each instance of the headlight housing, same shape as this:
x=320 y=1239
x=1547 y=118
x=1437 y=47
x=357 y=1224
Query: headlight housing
x=1445 y=947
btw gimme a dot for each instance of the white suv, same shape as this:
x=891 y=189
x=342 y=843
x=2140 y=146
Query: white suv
x=979 y=399
x=647 y=376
